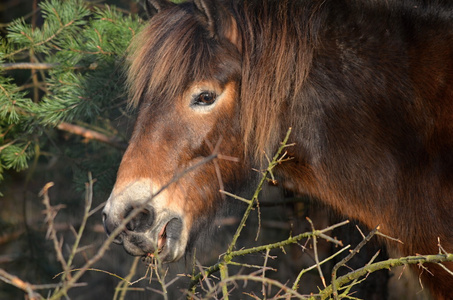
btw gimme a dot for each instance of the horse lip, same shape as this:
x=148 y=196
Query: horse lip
x=168 y=239
x=118 y=240
x=135 y=245
x=162 y=238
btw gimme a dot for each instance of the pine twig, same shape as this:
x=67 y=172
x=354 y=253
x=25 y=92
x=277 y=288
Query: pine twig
x=27 y=66
x=11 y=54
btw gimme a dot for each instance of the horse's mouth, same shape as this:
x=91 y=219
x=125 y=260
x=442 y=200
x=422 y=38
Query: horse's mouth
x=161 y=241
x=162 y=238
x=166 y=246
x=150 y=257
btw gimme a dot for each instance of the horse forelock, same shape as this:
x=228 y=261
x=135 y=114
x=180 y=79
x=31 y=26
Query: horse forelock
x=157 y=63
x=173 y=51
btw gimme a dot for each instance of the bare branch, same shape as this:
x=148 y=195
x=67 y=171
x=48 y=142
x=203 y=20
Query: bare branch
x=386 y=264
x=348 y=258
x=315 y=250
x=51 y=212
x=92 y=135
x=19 y=283
x=27 y=66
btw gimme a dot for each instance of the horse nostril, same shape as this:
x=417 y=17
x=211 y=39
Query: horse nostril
x=131 y=225
x=141 y=222
x=107 y=227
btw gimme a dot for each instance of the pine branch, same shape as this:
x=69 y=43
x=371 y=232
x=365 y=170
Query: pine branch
x=60 y=18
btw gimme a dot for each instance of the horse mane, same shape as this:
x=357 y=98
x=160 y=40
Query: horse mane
x=279 y=38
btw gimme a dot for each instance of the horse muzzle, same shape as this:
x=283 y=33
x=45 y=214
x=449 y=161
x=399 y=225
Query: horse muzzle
x=150 y=229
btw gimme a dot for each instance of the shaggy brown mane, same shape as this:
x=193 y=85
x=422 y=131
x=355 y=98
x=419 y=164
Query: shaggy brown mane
x=279 y=38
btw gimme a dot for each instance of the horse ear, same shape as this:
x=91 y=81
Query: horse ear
x=219 y=21
x=209 y=11
x=155 y=6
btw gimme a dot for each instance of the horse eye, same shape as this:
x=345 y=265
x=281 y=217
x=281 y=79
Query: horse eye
x=205 y=98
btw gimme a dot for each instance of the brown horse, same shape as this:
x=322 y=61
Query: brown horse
x=366 y=85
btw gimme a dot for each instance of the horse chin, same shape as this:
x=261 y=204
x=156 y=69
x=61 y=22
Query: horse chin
x=133 y=249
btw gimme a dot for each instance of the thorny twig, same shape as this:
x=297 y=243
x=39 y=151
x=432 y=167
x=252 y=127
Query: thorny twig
x=71 y=278
x=222 y=267
x=122 y=287
x=386 y=264
x=345 y=260
x=315 y=250
x=51 y=213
